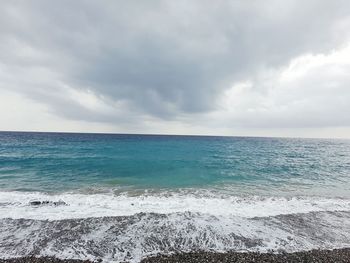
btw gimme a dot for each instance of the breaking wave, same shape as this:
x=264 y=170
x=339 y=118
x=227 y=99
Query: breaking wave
x=131 y=238
x=124 y=227
x=43 y=206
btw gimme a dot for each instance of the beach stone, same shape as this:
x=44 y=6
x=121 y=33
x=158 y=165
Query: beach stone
x=38 y=203
x=35 y=203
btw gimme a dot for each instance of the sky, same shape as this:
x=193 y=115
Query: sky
x=247 y=68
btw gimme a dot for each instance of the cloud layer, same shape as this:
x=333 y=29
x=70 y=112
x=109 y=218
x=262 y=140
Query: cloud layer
x=187 y=65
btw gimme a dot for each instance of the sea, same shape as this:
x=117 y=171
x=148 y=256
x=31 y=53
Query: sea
x=123 y=197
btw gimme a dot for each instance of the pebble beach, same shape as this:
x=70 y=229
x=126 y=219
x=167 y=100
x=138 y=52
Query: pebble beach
x=313 y=256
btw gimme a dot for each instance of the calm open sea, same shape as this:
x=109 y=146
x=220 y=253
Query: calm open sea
x=124 y=197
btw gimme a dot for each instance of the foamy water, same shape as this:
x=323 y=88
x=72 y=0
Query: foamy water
x=120 y=227
x=17 y=205
x=131 y=238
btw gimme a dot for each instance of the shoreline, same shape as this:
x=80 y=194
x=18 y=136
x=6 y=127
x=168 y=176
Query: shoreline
x=341 y=255
x=324 y=256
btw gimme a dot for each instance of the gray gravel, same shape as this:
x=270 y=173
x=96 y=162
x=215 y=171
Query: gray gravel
x=314 y=256
x=324 y=256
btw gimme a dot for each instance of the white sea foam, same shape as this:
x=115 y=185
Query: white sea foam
x=131 y=238
x=124 y=227
x=16 y=205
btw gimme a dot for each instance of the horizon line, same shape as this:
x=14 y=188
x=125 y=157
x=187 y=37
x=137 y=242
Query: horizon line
x=165 y=134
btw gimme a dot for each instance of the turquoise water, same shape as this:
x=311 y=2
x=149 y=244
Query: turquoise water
x=56 y=162
x=121 y=198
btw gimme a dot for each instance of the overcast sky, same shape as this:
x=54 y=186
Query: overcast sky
x=257 y=68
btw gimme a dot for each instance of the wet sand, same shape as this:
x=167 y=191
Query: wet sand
x=319 y=256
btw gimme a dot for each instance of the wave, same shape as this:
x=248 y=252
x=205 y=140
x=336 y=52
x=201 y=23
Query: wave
x=131 y=238
x=128 y=227
x=74 y=205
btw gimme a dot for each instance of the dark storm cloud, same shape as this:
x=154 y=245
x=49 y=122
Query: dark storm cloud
x=161 y=58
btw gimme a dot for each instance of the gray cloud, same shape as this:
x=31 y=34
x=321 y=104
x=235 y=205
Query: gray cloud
x=163 y=59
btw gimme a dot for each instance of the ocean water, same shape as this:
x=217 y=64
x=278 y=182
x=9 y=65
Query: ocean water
x=125 y=197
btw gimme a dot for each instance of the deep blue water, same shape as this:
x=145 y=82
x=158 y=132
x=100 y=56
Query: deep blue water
x=56 y=162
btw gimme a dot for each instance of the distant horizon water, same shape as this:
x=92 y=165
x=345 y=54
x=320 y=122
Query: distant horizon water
x=177 y=134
